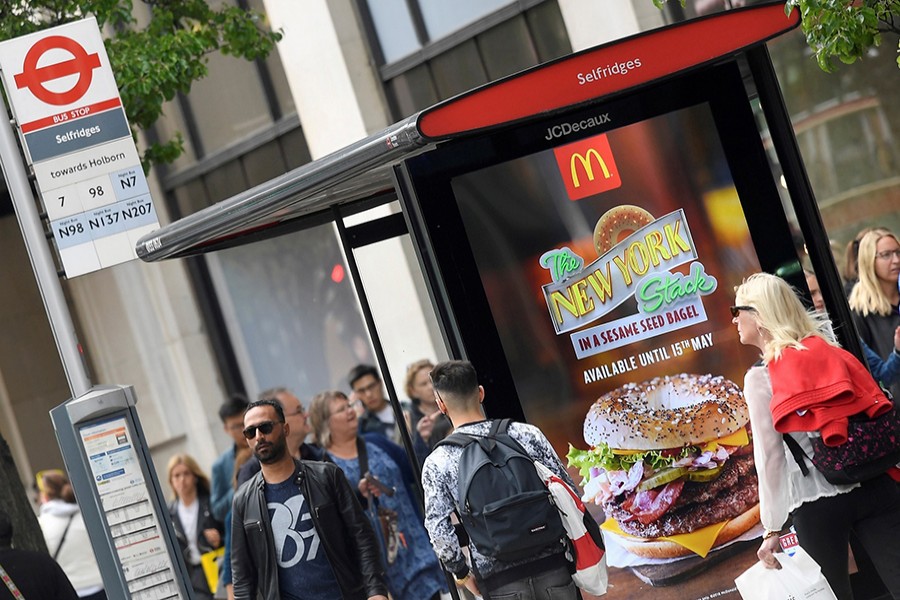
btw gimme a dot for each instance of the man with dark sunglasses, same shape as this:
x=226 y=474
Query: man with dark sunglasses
x=298 y=531
x=295 y=416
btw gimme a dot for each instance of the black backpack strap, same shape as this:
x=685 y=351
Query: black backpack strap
x=498 y=433
x=797 y=452
x=508 y=440
x=363 y=456
x=456 y=439
x=63 y=538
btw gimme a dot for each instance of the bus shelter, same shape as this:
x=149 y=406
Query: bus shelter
x=580 y=226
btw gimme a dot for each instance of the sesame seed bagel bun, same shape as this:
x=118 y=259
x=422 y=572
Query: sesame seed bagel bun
x=659 y=548
x=666 y=412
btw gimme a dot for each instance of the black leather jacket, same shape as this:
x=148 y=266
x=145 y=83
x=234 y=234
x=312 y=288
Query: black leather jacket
x=205 y=520
x=345 y=533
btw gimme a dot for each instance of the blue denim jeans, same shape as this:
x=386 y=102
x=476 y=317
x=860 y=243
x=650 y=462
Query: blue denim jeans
x=550 y=585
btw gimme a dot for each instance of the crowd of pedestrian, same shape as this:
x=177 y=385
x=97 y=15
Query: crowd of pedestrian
x=322 y=501
x=328 y=503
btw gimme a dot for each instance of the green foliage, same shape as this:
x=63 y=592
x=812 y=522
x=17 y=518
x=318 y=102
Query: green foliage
x=845 y=30
x=157 y=48
x=842 y=29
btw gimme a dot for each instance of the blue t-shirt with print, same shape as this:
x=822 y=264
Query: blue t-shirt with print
x=304 y=572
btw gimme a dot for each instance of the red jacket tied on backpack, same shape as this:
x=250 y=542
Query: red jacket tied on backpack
x=820 y=388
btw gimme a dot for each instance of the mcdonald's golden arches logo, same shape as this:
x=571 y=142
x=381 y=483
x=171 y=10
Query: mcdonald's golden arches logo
x=587 y=167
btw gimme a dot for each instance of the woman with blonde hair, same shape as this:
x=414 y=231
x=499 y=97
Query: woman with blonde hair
x=850 y=267
x=787 y=394
x=66 y=535
x=197 y=530
x=875 y=298
x=429 y=424
x=413 y=572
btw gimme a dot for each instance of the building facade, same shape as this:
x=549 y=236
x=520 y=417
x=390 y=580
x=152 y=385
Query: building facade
x=188 y=333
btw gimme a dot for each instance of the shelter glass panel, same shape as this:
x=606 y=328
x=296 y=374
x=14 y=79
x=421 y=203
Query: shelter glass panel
x=291 y=312
x=403 y=314
x=848 y=128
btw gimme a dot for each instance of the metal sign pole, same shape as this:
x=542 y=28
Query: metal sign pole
x=42 y=262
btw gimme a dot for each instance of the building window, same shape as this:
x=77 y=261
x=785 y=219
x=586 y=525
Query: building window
x=403 y=27
x=443 y=18
x=394 y=28
x=430 y=50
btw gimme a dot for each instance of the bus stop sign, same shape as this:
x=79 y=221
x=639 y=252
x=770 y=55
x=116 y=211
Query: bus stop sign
x=73 y=127
x=82 y=64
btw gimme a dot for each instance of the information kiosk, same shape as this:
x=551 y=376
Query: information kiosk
x=109 y=465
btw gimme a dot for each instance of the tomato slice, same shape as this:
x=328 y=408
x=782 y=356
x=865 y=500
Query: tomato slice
x=744 y=450
x=650 y=505
x=671 y=452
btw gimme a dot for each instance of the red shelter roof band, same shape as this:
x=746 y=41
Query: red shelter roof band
x=607 y=69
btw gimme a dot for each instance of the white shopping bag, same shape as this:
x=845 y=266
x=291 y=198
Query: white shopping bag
x=799 y=578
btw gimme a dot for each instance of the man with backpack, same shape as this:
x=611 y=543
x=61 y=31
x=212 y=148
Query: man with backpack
x=485 y=473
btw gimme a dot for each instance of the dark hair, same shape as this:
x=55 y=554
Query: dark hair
x=6 y=529
x=268 y=402
x=56 y=486
x=360 y=371
x=455 y=378
x=233 y=407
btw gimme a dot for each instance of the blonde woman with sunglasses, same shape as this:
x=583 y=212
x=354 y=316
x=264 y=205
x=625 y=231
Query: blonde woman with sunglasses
x=801 y=367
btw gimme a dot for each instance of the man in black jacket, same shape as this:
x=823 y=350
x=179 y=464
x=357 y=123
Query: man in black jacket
x=298 y=530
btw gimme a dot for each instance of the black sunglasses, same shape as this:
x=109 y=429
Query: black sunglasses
x=266 y=427
x=736 y=310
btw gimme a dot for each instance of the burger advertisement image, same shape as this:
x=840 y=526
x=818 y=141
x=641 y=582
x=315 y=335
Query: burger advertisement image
x=671 y=465
x=670 y=459
x=608 y=262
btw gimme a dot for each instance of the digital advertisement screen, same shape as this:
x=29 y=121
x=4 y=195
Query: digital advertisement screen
x=607 y=256
x=609 y=266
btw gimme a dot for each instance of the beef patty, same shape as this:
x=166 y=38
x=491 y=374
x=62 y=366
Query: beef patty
x=735 y=491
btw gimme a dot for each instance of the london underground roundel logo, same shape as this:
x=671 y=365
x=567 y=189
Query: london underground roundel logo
x=34 y=77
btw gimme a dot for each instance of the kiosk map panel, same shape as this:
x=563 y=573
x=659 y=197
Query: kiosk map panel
x=133 y=524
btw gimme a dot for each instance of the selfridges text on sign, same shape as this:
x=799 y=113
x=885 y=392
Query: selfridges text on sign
x=65 y=101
